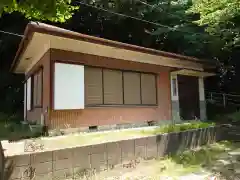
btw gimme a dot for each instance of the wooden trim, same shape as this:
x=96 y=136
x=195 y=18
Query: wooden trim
x=141 y=88
x=32 y=92
x=33 y=106
x=103 y=100
x=102 y=105
x=112 y=80
x=123 y=88
x=148 y=80
x=156 y=86
x=52 y=80
x=69 y=57
x=131 y=96
x=121 y=105
x=93 y=76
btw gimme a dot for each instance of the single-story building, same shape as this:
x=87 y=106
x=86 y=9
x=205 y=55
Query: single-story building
x=76 y=80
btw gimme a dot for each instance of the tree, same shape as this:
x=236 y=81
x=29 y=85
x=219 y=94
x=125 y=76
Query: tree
x=51 y=10
x=220 y=18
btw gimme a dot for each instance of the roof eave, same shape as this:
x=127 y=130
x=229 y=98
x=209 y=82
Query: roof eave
x=45 y=29
x=22 y=46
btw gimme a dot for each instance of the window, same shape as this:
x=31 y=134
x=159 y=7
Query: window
x=132 y=91
x=112 y=86
x=93 y=86
x=25 y=100
x=148 y=89
x=174 y=86
x=116 y=87
x=29 y=93
x=37 y=89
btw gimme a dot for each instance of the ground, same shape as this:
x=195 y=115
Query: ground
x=220 y=160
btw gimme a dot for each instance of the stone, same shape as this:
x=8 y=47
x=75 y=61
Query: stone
x=41 y=157
x=47 y=176
x=19 y=160
x=62 y=164
x=62 y=154
x=63 y=174
x=20 y=172
x=42 y=168
x=127 y=150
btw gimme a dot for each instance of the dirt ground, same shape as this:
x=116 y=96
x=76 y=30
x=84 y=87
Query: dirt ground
x=220 y=161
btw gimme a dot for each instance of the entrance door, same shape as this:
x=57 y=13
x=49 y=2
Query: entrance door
x=188 y=97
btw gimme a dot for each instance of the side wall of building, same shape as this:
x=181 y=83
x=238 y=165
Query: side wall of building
x=99 y=116
x=36 y=114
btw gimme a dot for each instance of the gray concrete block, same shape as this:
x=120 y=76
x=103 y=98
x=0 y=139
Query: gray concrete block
x=62 y=164
x=41 y=157
x=47 y=176
x=19 y=160
x=20 y=172
x=42 y=168
x=62 y=154
x=63 y=174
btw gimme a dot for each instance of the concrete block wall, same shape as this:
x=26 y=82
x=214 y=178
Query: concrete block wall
x=75 y=163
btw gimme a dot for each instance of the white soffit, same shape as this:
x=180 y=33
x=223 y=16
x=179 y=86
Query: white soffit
x=37 y=47
x=47 y=41
x=192 y=73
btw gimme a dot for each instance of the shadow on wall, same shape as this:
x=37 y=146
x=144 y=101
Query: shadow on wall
x=172 y=143
x=6 y=167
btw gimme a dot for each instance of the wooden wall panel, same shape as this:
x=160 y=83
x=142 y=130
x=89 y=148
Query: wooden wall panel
x=117 y=115
x=35 y=113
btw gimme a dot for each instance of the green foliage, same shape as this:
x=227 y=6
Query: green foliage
x=234 y=117
x=12 y=129
x=51 y=10
x=220 y=18
x=205 y=156
x=182 y=127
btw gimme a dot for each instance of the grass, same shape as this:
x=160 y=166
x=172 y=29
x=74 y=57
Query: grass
x=19 y=131
x=179 y=127
x=16 y=131
x=199 y=161
x=81 y=139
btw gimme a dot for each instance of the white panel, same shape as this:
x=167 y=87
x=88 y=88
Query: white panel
x=24 y=101
x=201 y=89
x=174 y=96
x=68 y=86
x=29 y=93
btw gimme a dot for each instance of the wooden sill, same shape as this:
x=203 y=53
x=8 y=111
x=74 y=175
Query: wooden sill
x=121 y=106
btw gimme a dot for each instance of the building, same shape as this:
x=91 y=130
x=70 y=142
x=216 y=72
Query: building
x=76 y=80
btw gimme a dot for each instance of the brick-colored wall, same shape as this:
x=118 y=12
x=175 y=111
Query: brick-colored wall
x=98 y=116
x=44 y=63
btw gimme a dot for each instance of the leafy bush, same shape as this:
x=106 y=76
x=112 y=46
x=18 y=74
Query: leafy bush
x=234 y=117
x=204 y=156
x=12 y=129
x=182 y=127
